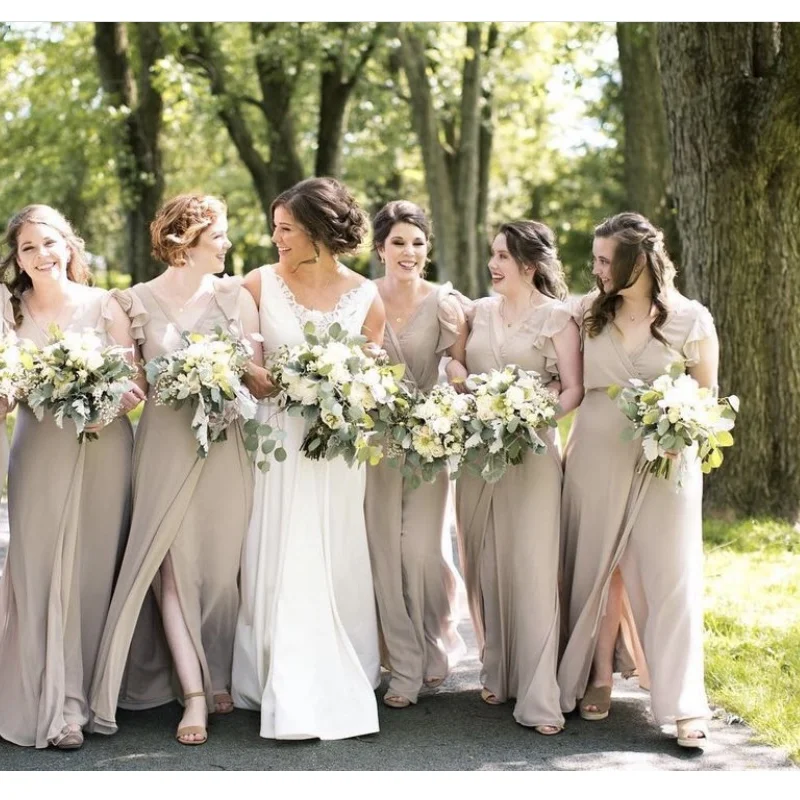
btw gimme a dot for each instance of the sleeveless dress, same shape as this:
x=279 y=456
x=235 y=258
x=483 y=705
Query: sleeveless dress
x=415 y=585
x=194 y=509
x=509 y=531
x=306 y=648
x=612 y=515
x=69 y=510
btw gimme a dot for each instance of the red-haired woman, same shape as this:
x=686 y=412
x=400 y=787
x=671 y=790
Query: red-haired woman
x=189 y=513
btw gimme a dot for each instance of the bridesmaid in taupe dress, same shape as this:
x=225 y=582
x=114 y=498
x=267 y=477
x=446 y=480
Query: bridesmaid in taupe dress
x=622 y=522
x=189 y=513
x=415 y=586
x=68 y=502
x=509 y=530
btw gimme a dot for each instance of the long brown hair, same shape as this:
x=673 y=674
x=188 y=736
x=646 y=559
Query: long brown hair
x=18 y=281
x=533 y=244
x=634 y=236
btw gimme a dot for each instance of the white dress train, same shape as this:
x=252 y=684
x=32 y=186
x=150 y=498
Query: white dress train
x=306 y=646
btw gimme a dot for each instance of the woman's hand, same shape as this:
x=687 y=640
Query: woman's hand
x=457 y=375
x=259 y=382
x=131 y=400
x=374 y=350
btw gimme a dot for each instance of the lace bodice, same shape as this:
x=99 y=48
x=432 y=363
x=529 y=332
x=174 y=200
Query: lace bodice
x=283 y=318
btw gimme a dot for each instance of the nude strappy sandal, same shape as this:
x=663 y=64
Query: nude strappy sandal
x=193 y=730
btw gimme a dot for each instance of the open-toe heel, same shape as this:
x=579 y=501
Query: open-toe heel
x=687 y=726
x=192 y=730
x=600 y=698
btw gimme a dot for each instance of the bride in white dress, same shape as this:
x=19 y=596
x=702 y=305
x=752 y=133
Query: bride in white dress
x=306 y=646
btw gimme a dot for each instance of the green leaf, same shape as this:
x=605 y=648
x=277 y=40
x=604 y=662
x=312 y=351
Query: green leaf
x=280 y=454
x=724 y=438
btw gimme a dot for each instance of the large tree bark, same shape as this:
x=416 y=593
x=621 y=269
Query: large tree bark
x=732 y=95
x=139 y=163
x=451 y=155
x=336 y=87
x=648 y=166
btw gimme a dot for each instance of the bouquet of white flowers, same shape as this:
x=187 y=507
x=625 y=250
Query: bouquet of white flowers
x=339 y=390
x=509 y=407
x=206 y=374
x=75 y=377
x=16 y=359
x=430 y=434
x=674 y=413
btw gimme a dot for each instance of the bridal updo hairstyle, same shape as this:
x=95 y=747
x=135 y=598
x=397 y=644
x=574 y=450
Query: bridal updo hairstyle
x=19 y=281
x=533 y=244
x=328 y=213
x=179 y=224
x=634 y=236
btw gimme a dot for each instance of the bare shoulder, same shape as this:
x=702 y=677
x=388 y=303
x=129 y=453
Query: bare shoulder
x=252 y=283
x=354 y=279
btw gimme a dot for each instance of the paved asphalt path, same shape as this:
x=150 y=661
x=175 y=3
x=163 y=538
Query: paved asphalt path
x=449 y=729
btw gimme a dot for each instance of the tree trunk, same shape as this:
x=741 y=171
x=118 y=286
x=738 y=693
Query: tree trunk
x=732 y=94
x=648 y=167
x=336 y=88
x=139 y=164
x=452 y=157
x=209 y=57
x=437 y=179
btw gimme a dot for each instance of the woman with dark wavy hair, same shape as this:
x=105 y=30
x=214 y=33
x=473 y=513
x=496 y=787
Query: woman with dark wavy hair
x=306 y=647
x=68 y=501
x=508 y=531
x=620 y=525
x=415 y=585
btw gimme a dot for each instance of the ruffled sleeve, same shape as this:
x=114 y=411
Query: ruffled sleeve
x=701 y=327
x=452 y=311
x=551 y=323
x=8 y=309
x=132 y=305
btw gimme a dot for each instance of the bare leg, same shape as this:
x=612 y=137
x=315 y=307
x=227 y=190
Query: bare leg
x=603 y=661
x=184 y=656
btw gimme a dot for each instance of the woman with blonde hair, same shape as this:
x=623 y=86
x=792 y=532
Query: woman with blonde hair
x=68 y=501
x=189 y=513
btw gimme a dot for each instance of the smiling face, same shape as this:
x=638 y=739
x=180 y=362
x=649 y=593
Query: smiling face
x=42 y=252
x=404 y=252
x=293 y=243
x=508 y=275
x=208 y=253
x=602 y=258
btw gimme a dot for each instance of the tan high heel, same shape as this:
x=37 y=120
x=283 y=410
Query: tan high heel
x=600 y=698
x=490 y=697
x=223 y=698
x=396 y=701
x=193 y=730
x=68 y=739
x=686 y=726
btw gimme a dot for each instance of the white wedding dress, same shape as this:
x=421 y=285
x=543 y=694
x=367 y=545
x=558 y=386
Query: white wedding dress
x=306 y=647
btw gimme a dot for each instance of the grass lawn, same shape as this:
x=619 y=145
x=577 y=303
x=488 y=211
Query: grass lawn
x=752 y=620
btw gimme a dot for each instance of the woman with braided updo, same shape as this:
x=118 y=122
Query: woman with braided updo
x=508 y=531
x=620 y=525
x=170 y=627
x=306 y=649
